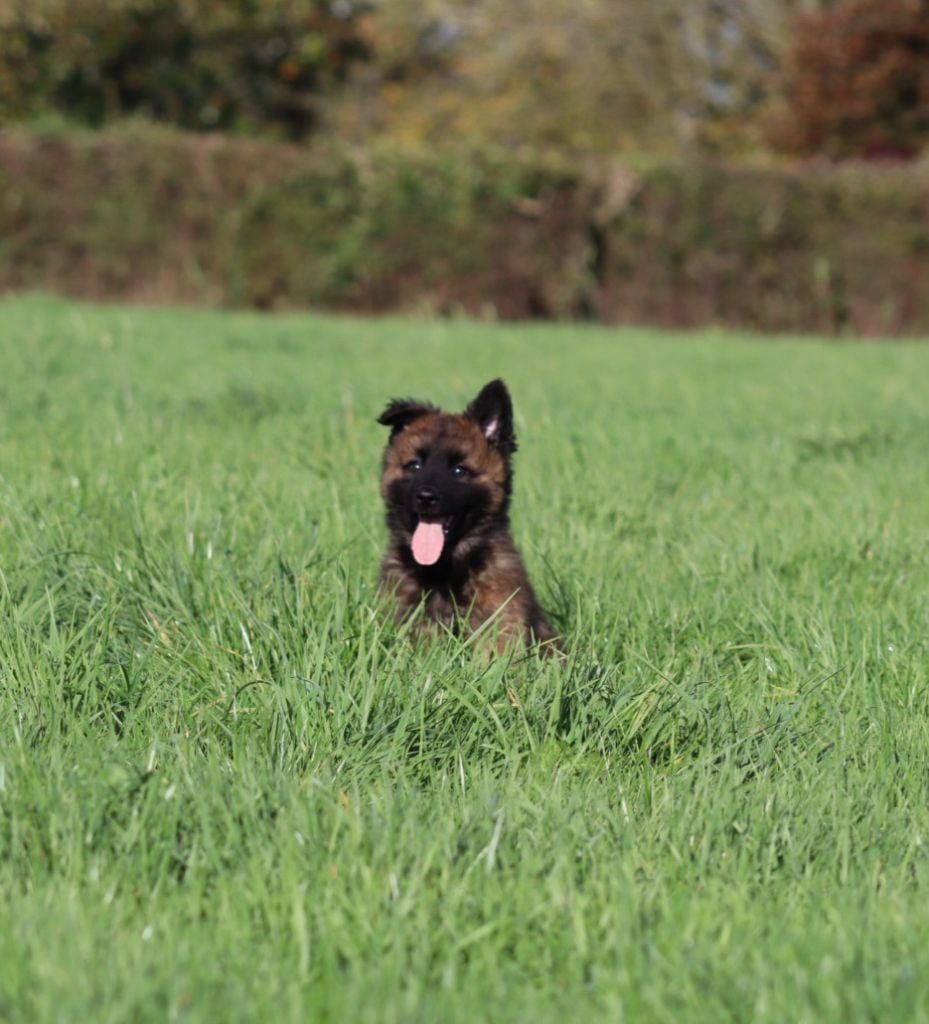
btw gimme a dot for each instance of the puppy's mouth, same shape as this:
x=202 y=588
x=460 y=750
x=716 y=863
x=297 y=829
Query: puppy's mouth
x=429 y=538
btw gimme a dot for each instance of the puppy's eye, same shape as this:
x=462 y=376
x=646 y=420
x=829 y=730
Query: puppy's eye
x=414 y=466
x=462 y=472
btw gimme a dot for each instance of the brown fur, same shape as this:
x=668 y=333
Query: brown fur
x=479 y=575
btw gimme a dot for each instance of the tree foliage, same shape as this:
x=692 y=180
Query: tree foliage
x=199 y=64
x=856 y=80
x=844 y=77
x=583 y=75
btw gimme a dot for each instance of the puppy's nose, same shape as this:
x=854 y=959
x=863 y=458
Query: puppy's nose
x=427 y=499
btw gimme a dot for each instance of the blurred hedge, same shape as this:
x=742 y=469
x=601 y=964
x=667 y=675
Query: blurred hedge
x=798 y=248
x=153 y=216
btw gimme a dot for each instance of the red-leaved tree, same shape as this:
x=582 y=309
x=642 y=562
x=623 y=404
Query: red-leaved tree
x=856 y=80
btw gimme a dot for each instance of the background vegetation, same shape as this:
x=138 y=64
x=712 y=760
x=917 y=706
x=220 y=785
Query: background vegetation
x=153 y=216
x=228 y=790
x=841 y=77
x=657 y=161
x=197 y=64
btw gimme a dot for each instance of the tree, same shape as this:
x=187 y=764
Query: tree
x=856 y=80
x=584 y=75
x=199 y=64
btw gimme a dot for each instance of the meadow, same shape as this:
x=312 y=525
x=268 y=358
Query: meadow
x=231 y=791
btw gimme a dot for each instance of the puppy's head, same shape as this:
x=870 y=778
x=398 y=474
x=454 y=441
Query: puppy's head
x=446 y=476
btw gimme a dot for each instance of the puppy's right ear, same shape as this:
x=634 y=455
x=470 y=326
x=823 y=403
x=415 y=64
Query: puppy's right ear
x=402 y=411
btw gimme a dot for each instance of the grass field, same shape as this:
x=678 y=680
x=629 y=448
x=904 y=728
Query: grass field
x=228 y=792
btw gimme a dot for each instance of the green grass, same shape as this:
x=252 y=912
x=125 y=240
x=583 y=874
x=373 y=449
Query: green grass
x=229 y=792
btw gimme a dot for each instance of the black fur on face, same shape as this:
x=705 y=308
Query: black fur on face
x=438 y=486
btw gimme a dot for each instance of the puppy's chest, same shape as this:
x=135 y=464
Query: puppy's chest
x=473 y=602
x=447 y=605
x=442 y=607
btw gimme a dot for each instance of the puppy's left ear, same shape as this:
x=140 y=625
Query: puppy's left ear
x=492 y=410
x=402 y=411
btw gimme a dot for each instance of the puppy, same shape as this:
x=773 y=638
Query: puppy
x=446 y=483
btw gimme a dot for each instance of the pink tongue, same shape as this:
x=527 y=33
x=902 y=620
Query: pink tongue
x=428 y=540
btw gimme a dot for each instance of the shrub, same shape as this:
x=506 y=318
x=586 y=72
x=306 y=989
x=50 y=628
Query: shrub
x=392 y=228
x=797 y=248
x=153 y=215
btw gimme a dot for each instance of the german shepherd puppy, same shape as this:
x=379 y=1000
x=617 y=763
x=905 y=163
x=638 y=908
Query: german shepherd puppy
x=446 y=482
